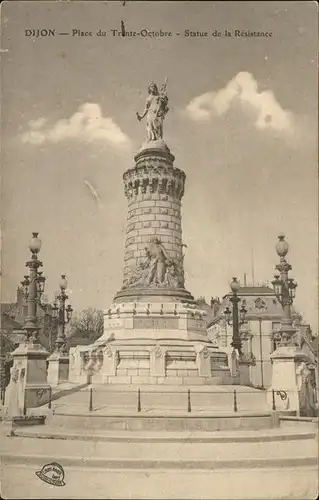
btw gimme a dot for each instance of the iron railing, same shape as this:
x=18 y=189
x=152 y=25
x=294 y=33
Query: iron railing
x=95 y=399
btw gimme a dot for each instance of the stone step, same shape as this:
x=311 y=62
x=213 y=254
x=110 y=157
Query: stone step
x=165 y=484
x=173 y=388
x=294 y=422
x=151 y=398
x=165 y=421
x=245 y=436
x=169 y=453
x=149 y=469
x=156 y=464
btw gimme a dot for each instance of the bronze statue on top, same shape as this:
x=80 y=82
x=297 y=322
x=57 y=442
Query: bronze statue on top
x=155 y=111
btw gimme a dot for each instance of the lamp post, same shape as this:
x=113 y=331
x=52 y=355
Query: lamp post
x=63 y=315
x=58 y=369
x=285 y=289
x=33 y=286
x=29 y=369
x=289 y=362
x=261 y=306
x=238 y=316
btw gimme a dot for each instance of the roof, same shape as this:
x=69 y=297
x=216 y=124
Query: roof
x=254 y=290
x=6 y=306
x=17 y=338
x=8 y=323
x=258 y=305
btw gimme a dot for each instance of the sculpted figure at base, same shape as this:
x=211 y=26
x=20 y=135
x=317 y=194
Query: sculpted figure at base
x=157 y=269
x=155 y=111
x=14 y=398
x=159 y=259
x=307 y=403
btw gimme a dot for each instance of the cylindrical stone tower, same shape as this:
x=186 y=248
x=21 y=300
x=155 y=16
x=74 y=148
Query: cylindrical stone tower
x=154 y=247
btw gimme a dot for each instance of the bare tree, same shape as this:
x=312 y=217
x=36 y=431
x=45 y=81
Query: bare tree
x=87 y=324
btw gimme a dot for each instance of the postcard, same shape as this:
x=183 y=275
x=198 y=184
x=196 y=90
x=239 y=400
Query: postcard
x=159 y=250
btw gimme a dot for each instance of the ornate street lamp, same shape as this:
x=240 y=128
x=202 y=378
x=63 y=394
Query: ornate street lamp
x=238 y=316
x=33 y=287
x=261 y=306
x=63 y=315
x=285 y=291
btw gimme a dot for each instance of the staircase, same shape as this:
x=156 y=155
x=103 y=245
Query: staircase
x=112 y=447
x=195 y=408
x=273 y=464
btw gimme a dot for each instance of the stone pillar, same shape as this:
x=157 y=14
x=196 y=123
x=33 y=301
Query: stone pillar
x=76 y=365
x=244 y=372
x=286 y=380
x=234 y=370
x=30 y=362
x=58 y=369
x=154 y=190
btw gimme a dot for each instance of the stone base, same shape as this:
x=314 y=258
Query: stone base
x=58 y=370
x=37 y=395
x=140 y=380
x=28 y=387
x=149 y=147
x=156 y=342
x=162 y=318
x=165 y=361
x=244 y=372
x=146 y=295
x=287 y=390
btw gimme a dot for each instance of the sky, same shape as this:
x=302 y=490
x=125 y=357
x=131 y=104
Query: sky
x=242 y=125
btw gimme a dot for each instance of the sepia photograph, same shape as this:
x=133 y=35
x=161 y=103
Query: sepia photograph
x=159 y=250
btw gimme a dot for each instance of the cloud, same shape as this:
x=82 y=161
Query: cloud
x=87 y=124
x=94 y=194
x=243 y=90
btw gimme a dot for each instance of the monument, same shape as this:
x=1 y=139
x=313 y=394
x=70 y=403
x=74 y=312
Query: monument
x=154 y=332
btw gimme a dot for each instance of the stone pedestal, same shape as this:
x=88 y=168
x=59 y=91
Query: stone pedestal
x=77 y=362
x=58 y=369
x=28 y=387
x=288 y=388
x=244 y=372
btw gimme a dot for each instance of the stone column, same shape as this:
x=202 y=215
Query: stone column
x=154 y=190
x=76 y=367
x=58 y=370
